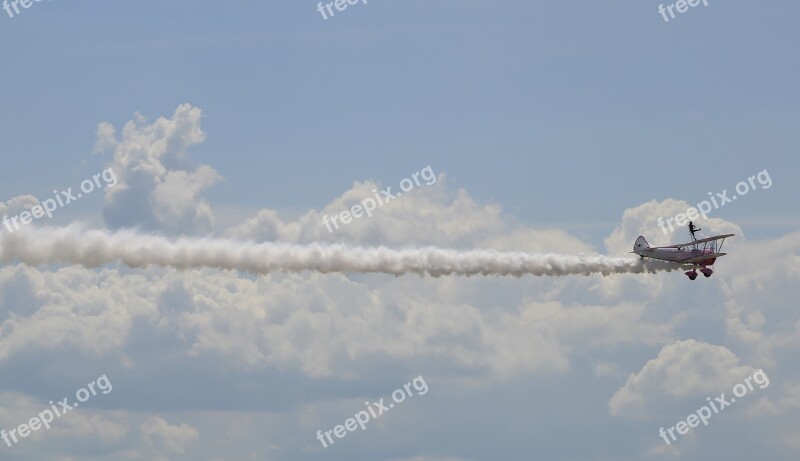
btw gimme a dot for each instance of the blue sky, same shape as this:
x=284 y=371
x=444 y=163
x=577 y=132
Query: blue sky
x=602 y=106
x=553 y=126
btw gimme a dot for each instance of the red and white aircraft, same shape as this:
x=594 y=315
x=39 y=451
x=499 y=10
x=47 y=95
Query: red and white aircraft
x=698 y=253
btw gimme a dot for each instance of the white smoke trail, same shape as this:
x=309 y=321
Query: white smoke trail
x=92 y=248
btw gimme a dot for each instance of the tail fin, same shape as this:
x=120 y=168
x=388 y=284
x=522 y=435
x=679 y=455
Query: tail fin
x=641 y=244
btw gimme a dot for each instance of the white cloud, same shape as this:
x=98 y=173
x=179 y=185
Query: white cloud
x=158 y=187
x=643 y=220
x=427 y=215
x=69 y=308
x=756 y=299
x=14 y=206
x=159 y=435
x=336 y=328
x=684 y=371
x=87 y=424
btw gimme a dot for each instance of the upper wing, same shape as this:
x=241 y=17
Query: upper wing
x=708 y=239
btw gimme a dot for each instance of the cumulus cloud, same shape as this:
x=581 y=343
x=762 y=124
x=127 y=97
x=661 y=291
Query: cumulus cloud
x=160 y=436
x=298 y=322
x=684 y=371
x=16 y=205
x=758 y=314
x=643 y=220
x=324 y=330
x=427 y=215
x=159 y=188
x=85 y=424
x=70 y=308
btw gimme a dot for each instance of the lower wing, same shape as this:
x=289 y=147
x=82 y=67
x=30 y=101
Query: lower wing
x=700 y=259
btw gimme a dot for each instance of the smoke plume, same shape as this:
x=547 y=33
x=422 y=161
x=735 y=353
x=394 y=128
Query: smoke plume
x=92 y=248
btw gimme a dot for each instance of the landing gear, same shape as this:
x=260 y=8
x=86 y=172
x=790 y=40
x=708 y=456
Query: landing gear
x=692 y=274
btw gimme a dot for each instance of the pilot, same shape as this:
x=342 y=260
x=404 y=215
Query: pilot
x=693 y=229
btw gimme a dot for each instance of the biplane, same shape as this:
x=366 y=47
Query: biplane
x=693 y=255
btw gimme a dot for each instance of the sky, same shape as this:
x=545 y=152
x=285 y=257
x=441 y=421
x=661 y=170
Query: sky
x=537 y=127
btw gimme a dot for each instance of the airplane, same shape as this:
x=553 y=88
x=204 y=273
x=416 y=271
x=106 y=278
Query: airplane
x=697 y=253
